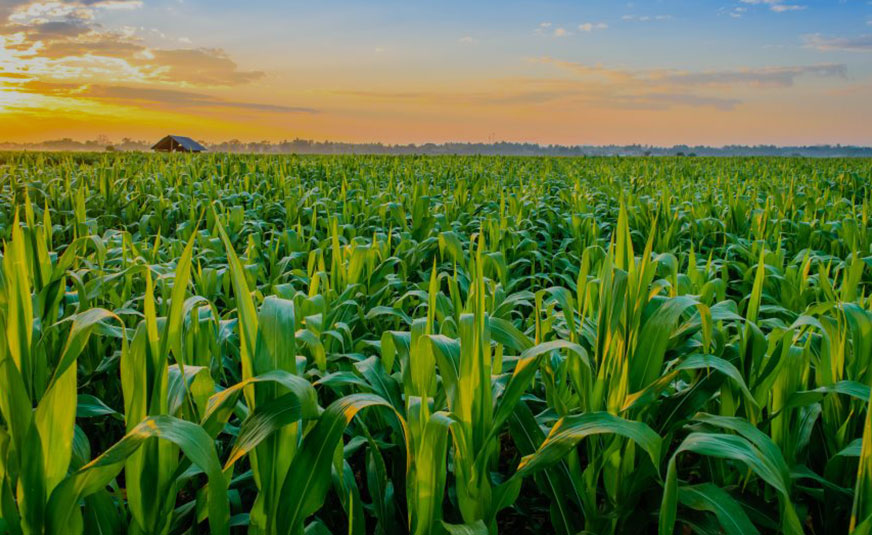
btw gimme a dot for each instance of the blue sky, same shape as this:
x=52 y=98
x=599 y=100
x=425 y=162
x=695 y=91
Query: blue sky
x=779 y=71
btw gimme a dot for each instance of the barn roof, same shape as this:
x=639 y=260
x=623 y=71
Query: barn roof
x=186 y=142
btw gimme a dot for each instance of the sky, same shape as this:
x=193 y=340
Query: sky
x=658 y=72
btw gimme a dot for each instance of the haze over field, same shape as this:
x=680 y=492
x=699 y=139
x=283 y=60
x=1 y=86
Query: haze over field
x=787 y=72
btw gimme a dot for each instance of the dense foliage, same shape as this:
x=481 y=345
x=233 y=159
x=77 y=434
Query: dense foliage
x=389 y=345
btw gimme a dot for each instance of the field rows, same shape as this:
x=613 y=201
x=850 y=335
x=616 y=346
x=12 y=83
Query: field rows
x=461 y=345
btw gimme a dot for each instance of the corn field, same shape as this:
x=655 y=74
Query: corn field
x=442 y=345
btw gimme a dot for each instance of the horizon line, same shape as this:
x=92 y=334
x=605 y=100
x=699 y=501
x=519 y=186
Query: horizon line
x=106 y=142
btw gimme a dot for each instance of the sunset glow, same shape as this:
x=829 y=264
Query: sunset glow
x=656 y=72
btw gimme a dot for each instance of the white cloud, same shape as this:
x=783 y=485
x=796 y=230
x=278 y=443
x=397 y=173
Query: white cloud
x=52 y=10
x=760 y=77
x=592 y=26
x=778 y=6
x=547 y=28
x=646 y=18
x=468 y=40
x=118 y=4
x=781 y=8
x=860 y=43
x=544 y=28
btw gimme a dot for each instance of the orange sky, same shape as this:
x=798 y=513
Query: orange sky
x=123 y=68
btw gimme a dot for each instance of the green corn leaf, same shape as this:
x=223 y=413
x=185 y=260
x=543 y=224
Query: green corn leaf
x=861 y=512
x=693 y=362
x=83 y=324
x=189 y=437
x=526 y=367
x=244 y=307
x=708 y=497
x=303 y=494
x=221 y=405
x=727 y=447
x=568 y=431
x=172 y=338
x=430 y=467
x=477 y=528
x=266 y=419
x=88 y=406
x=647 y=362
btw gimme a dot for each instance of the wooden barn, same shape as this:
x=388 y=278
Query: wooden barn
x=177 y=144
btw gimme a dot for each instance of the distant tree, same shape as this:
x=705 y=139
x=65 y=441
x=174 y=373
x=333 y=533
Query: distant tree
x=308 y=146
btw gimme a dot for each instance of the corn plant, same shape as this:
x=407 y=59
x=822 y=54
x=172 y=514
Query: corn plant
x=404 y=345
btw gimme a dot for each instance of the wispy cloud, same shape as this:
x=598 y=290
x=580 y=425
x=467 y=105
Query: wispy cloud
x=538 y=92
x=598 y=86
x=758 y=77
x=765 y=77
x=468 y=40
x=181 y=99
x=63 y=55
x=663 y=101
x=781 y=8
x=778 y=6
x=646 y=18
x=142 y=96
x=860 y=43
x=547 y=28
x=200 y=66
x=62 y=39
x=592 y=26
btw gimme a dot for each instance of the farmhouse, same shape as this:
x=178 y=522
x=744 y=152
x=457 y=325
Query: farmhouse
x=177 y=144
